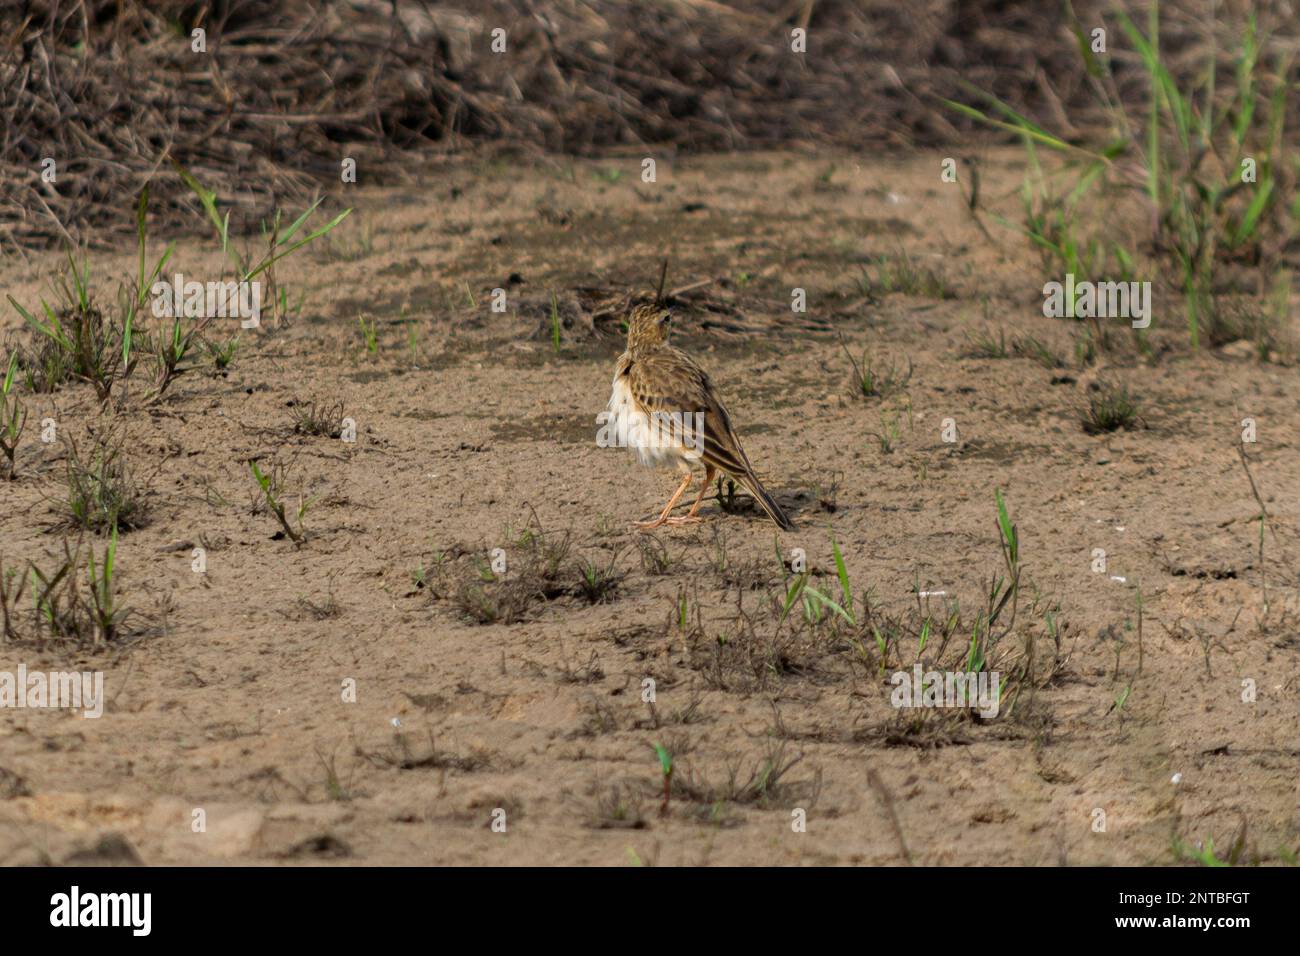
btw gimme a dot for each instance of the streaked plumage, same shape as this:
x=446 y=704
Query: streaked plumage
x=653 y=377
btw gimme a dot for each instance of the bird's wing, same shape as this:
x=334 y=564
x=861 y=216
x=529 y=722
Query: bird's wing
x=668 y=381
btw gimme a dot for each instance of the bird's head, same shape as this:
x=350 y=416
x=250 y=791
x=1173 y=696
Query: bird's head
x=647 y=326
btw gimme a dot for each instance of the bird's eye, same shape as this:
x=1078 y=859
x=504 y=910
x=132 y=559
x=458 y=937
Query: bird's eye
x=663 y=319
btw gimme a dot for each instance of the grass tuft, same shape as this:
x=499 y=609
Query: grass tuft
x=103 y=494
x=902 y=274
x=1110 y=408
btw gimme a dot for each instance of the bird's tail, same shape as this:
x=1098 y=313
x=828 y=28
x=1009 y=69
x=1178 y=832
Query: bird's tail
x=755 y=488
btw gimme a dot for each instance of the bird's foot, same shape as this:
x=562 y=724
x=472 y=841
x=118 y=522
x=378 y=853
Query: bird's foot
x=662 y=521
x=683 y=519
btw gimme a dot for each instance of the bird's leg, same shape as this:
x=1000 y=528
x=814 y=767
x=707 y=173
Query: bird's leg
x=663 y=515
x=709 y=472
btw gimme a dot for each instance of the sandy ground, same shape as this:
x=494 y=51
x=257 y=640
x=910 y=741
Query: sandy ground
x=233 y=695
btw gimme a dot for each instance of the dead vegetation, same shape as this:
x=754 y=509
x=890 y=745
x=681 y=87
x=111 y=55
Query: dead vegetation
x=114 y=91
x=767 y=782
x=324 y=420
x=533 y=568
x=506 y=588
x=402 y=753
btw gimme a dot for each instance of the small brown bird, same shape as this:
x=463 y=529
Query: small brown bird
x=663 y=407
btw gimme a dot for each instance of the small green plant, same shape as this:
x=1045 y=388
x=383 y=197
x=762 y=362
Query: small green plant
x=824 y=183
x=349 y=247
x=1110 y=408
x=57 y=609
x=334 y=786
x=539 y=570
x=887 y=437
x=1027 y=346
x=618 y=810
x=83 y=342
x=842 y=573
x=11 y=588
x=412 y=337
x=44 y=366
x=815 y=602
x=1202 y=854
x=596 y=583
x=556 y=325
x=426 y=576
x=654 y=554
x=65 y=603
x=986 y=345
x=279 y=241
x=272 y=486
x=1007 y=531
x=1205 y=855
x=106 y=613
x=13 y=415
x=221 y=354
x=102 y=492
x=902 y=274
x=682 y=608
x=77 y=340
x=1088 y=347
x=666 y=769
x=172 y=347
x=872 y=380
x=369 y=334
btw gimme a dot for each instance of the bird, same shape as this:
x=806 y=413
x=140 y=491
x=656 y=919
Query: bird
x=664 y=408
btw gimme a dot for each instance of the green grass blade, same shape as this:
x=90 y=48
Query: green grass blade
x=842 y=573
x=297 y=223
x=1246 y=228
x=207 y=199
x=826 y=601
x=1026 y=129
x=1007 y=528
x=267 y=263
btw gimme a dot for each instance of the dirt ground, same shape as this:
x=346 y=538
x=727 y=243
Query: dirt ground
x=475 y=431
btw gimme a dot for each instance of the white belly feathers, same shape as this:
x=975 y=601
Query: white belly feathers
x=656 y=447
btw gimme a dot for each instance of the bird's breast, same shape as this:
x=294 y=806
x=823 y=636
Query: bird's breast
x=632 y=427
